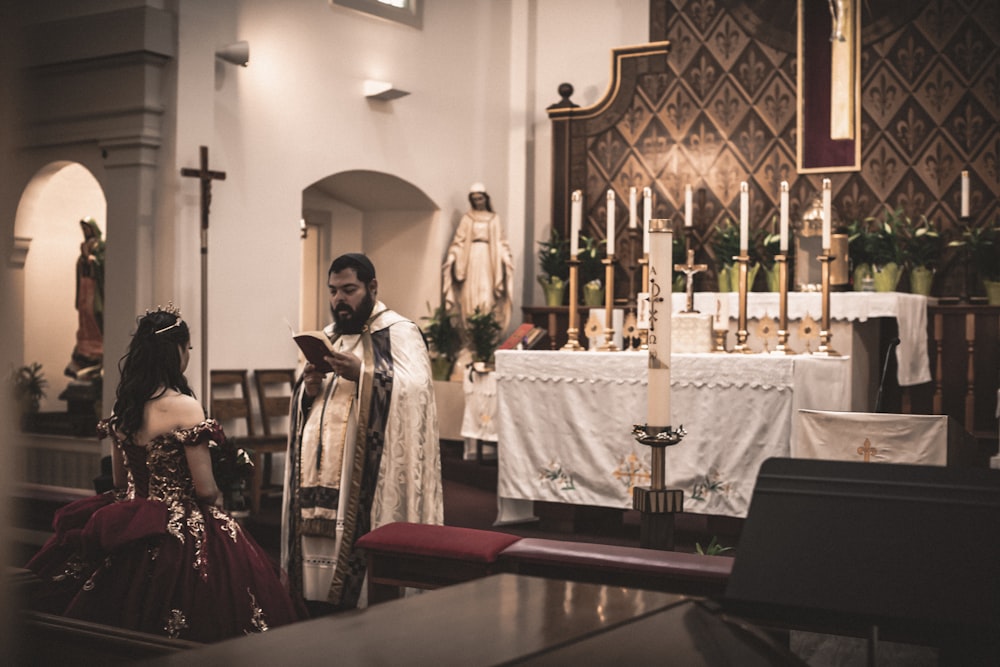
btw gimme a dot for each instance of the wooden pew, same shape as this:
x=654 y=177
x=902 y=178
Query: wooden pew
x=48 y=639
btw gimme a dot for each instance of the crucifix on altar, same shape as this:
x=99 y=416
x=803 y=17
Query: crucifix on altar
x=206 y=176
x=689 y=269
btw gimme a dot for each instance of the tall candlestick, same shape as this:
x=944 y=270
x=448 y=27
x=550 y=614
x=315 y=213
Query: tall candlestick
x=574 y=224
x=744 y=216
x=660 y=269
x=647 y=212
x=827 y=213
x=631 y=208
x=611 y=222
x=688 y=206
x=965 y=194
x=783 y=227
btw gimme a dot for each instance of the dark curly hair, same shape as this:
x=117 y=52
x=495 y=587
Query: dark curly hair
x=150 y=367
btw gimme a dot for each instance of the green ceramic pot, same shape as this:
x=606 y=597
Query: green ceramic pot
x=992 y=292
x=886 y=277
x=593 y=296
x=555 y=295
x=921 y=279
x=861 y=271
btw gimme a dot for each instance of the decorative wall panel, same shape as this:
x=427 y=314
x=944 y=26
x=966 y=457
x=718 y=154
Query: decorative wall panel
x=716 y=106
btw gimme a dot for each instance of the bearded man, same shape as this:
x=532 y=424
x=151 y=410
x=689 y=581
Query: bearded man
x=364 y=447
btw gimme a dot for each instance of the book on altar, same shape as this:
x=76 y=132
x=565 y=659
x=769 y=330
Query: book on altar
x=315 y=345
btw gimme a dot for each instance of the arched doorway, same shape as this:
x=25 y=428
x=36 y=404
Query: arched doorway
x=47 y=226
x=383 y=216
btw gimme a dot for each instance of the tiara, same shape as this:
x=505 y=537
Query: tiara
x=171 y=309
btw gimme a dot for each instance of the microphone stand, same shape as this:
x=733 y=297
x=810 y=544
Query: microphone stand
x=885 y=370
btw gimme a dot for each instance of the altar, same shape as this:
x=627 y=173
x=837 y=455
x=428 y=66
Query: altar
x=565 y=421
x=855 y=318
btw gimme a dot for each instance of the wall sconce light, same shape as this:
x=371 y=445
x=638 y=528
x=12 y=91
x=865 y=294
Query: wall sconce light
x=382 y=90
x=237 y=53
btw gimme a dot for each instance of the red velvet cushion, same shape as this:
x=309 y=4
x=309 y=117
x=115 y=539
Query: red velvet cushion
x=418 y=539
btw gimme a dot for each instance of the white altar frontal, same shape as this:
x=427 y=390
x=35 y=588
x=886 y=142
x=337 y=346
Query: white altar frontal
x=855 y=318
x=564 y=423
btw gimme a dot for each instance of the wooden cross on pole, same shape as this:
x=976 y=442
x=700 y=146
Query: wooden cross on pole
x=206 y=176
x=689 y=270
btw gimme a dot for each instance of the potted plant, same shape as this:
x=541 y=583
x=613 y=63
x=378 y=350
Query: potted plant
x=767 y=246
x=484 y=336
x=886 y=249
x=922 y=247
x=592 y=270
x=982 y=248
x=727 y=245
x=444 y=339
x=553 y=259
x=859 y=251
x=28 y=383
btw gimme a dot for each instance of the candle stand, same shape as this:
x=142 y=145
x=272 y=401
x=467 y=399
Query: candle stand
x=657 y=504
x=782 y=347
x=609 y=300
x=573 y=331
x=719 y=340
x=741 y=332
x=824 y=348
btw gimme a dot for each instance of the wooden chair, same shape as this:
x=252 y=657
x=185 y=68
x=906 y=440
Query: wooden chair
x=274 y=394
x=230 y=404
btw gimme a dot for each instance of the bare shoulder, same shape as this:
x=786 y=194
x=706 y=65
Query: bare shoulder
x=170 y=412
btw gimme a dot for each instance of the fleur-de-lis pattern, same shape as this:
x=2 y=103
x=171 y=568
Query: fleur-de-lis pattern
x=722 y=109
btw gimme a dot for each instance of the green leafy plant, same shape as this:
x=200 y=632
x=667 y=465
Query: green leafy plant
x=860 y=242
x=591 y=254
x=726 y=243
x=886 y=240
x=29 y=383
x=553 y=259
x=767 y=245
x=923 y=245
x=713 y=548
x=484 y=335
x=982 y=247
x=442 y=334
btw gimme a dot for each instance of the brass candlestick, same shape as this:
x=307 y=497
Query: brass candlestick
x=741 y=332
x=824 y=348
x=573 y=331
x=609 y=298
x=782 y=347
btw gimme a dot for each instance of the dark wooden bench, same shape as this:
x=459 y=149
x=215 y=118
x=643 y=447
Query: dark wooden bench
x=428 y=557
x=49 y=639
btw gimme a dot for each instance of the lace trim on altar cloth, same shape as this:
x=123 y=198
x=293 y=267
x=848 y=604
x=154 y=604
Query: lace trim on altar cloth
x=763 y=374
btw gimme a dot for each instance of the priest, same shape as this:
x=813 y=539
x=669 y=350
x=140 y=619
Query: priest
x=364 y=448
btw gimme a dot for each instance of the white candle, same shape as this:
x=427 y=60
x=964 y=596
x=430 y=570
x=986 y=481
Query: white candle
x=688 y=207
x=965 y=194
x=720 y=318
x=660 y=268
x=647 y=211
x=576 y=212
x=827 y=213
x=611 y=222
x=631 y=208
x=744 y=217
x=783 y=218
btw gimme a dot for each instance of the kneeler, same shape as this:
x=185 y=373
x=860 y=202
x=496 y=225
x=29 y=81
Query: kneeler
x=422 y=556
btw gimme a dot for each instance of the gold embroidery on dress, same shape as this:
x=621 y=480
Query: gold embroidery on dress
x=73 y=569
x=257 y=619
x=175 y=623
x=228 y=523
x=196 y=526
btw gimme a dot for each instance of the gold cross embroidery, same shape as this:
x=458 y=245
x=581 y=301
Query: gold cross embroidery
x=867 y=450
x=630 y=471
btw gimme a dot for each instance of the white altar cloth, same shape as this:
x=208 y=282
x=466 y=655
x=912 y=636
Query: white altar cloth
x=909 y=310
x=565 y=419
